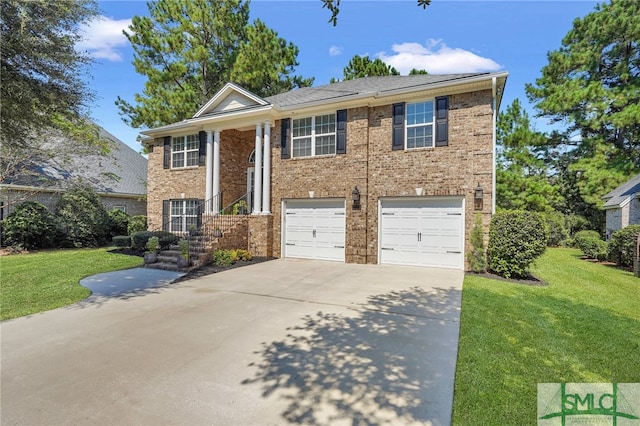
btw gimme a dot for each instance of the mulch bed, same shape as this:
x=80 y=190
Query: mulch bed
x=204 y=270
x=530 y=280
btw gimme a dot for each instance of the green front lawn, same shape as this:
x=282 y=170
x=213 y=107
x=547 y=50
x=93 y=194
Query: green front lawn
x=583 y=327
x=46 y=280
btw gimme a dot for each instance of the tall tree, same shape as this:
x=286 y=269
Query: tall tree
x=592 y=84
x=266 y=62
x=41 y=71
x=524 y=175
x=188 y=48
x=363 y=66
x=334 y=8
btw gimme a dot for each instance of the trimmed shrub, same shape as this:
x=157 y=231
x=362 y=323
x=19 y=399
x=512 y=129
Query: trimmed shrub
x=137 y=224
x=118 y=223
x=139 y=239
x=580 y=238
x=556 y=225
x=622 y=245
x=121 y=241
x=31 y=226
x=82 y=218
x=592 y=247
x=476 y=257
x=516 y=240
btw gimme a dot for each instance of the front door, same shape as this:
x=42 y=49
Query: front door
x=251 y=174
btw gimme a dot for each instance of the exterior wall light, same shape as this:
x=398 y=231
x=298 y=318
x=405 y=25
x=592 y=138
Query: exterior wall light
x=355 y=196
x=478 y=195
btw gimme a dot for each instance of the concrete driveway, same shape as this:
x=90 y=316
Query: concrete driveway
x=281 y=342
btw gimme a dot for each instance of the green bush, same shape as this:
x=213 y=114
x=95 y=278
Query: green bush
x=229 y=257
x=82 y=218
x=121 y=241
x=139 y=239
x=118 y=223
x=579 y=239
x=476 y=257
x=31 y=226
x=592 y=247
x=137 y=224
x=556 y=225
x=516 y=239
x=575 y=223
x=622 y=245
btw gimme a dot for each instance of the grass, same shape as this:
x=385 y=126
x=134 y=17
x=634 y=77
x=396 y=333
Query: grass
x=583 y=327
x=45 y=280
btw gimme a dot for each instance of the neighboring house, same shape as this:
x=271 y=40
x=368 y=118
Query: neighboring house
x=118 y=177
x=384 y=170
x=622 y=206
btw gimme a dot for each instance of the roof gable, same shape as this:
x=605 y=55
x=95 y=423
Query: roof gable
x=230 y=98
x=623 y=193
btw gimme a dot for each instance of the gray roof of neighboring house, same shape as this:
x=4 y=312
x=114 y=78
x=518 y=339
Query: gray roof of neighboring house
x=121 y=171
x=365 y=85
x=622 y=193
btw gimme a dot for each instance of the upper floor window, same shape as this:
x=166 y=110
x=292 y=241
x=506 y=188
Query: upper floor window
x=185 y=151
x=419 y=125
x=313 y=136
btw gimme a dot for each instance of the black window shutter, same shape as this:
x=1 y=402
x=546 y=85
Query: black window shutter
x=202 y=136
x=341 y=132
x=442 y=121
x=166 y=206
x=200 y=212
x=167 y=152
x=285 y=144
x=398 y=126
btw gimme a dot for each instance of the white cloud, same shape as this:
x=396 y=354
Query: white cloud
x=436 y=58
x=103 y=36
x=335 y=51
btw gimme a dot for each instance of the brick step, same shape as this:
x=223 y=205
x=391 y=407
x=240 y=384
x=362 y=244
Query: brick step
x=163 y=265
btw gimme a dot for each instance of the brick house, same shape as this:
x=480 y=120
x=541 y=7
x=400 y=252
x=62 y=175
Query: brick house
x=622 y=206
x=374 y=170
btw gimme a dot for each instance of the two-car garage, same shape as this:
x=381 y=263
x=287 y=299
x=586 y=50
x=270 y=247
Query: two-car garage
x=418 y=231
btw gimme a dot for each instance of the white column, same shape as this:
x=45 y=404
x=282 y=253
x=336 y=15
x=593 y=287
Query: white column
x=209 y=175
x=257 y=197
x=266 y=179
x=216 y=171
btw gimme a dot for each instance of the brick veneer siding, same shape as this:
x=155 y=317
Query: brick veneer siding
x=170 y=184
x=377 y=171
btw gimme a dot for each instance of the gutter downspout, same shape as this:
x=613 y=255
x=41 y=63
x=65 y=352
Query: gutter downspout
x=494 y=118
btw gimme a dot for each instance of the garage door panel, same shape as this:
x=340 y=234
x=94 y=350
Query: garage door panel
x=422 y=232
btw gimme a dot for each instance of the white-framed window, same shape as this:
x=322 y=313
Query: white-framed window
x=311 y=136
x=183 y=215
x=185 y=151
x=121 y=208
x=419 y=119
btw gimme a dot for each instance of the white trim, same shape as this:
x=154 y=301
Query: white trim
x=257 y=205
x=209 y=173
x=216 y=168
x=313 y=134
x=266 y=170
x=224 y=92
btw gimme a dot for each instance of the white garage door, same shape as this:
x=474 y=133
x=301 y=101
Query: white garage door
x=314 y=229
x=422 y=232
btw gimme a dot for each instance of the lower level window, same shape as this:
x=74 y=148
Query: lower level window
x=184 y=215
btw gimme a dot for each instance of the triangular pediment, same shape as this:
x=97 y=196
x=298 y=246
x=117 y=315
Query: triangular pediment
x=230 y=98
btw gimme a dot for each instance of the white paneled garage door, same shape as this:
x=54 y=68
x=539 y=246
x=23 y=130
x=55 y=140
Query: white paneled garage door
x=422 y=232
x=314 y=229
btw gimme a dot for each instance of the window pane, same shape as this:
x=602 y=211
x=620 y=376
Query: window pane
x=419 y=113
x=192 y=158
x=325 y=124
x=325 y=145
x=420 y=137
x=178 y=159
x=193 y=142
x=177 y=144
x=302 y=147
x=302 y=127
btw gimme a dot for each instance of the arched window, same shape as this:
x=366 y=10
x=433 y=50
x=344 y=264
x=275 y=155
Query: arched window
x=252 y=157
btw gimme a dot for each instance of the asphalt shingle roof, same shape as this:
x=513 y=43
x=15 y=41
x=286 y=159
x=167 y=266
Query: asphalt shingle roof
x=365 y=85
x=623 y=192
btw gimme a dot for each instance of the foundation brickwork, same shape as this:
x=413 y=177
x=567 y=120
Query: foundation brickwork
x=261 y=235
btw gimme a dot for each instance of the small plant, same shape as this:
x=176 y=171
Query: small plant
x=229 y=257
x=153 y=245
x=183 y=246
x=476 y=257
x=240 y=207
x=137 y=224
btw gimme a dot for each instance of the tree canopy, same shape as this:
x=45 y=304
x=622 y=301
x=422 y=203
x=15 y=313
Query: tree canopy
x=188 y=49
x=334 y=7
x=41 y=71
x=363 y=66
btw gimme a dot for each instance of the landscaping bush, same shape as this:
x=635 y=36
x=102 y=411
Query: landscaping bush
x=229 y=257
x=476 y=257
x=622 y=245
x=118 y=223
x=592 y=246
x=31 y=226
x=516 y=239
x=122 y=241
x=82 y=218
x=575 y=223
x=137 y=224
x=556 y=225
x=139 y=239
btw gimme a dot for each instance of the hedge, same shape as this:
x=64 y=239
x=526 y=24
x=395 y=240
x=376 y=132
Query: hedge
x=31 y=226
x=139 y=239
x=622 y=245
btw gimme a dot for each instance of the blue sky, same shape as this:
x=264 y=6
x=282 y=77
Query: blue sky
x=449 y=36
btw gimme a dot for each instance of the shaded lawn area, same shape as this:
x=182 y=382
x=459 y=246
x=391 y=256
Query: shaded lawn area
x=45 y=280
x=583 y=327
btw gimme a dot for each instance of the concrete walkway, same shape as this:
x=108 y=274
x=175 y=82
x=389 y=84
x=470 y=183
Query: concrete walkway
x=128 y=282
x=280 y=342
